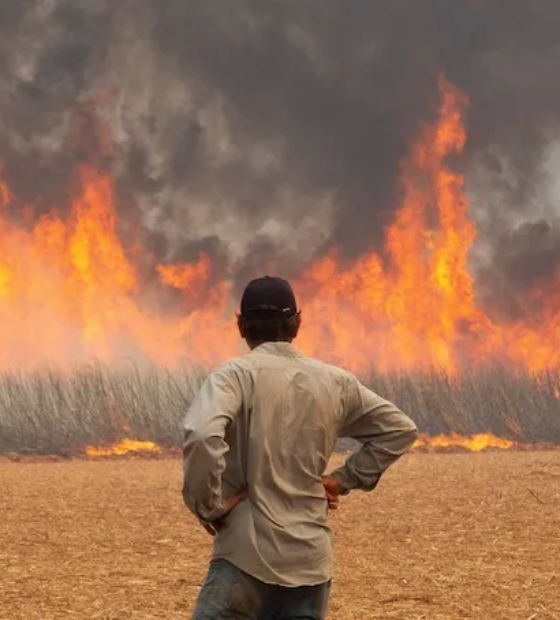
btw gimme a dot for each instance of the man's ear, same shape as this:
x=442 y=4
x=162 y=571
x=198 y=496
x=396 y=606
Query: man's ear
x=241 y=326
x=298 y=324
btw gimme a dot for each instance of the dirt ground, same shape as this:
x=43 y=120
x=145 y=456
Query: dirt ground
x=444 y=536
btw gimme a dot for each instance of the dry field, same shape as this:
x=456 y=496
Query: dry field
x=445 y=536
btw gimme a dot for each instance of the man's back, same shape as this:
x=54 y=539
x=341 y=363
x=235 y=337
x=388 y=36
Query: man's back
x=257 y=441
x=280 y=414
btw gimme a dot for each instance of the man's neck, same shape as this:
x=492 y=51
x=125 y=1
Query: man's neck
x=254 y=345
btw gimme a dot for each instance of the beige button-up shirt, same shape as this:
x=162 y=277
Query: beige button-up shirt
x=267 y=423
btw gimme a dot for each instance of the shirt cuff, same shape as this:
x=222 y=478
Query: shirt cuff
x=345 y=479
x=208 y=515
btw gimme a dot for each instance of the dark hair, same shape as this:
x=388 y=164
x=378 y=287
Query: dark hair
x=269 y=329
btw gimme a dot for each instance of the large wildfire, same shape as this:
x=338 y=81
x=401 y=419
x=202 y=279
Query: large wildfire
x=397 y=162
x=80 y=285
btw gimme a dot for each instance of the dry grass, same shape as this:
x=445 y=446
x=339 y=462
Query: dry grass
x=51 y=412
x=444 y=537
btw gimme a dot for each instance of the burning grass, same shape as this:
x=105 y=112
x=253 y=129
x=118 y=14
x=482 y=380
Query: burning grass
x=471 y=536
x=90 y=408
x=82 y=281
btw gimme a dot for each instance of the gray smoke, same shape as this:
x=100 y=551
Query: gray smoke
x=264 y=132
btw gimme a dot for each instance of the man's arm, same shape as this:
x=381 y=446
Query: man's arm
x=213 y=410
x=385 y=432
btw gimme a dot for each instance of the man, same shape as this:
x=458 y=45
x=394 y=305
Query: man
x=257 y=442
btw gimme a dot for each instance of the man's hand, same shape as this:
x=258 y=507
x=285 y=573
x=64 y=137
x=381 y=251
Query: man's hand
x=332 y=491
x=229 y=504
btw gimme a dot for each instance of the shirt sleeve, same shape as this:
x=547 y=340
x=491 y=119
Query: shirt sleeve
x=204 y=428
x=385 y=432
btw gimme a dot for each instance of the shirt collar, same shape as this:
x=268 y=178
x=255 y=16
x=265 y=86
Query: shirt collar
x=283 y=349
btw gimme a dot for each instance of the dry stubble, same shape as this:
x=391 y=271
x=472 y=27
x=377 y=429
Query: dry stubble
x=459 y=536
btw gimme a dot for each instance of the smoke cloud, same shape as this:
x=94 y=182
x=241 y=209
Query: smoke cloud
x=264 y=132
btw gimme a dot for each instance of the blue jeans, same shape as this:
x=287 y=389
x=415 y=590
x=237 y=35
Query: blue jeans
x=228 y=593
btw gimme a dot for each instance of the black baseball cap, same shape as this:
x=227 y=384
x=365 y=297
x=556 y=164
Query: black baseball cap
x=268 y=296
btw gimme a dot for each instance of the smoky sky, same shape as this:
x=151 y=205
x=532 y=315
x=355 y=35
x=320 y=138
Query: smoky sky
x=265 y=132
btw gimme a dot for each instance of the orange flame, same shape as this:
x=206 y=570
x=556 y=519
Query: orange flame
x=72 y=289
x=416 y=309
x=190 y=278
x=475 y=443
x=125 y=446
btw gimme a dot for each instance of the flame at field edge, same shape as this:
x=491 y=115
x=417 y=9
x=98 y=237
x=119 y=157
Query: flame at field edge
x=473 y=443
x=124 y=447
x=479 y=442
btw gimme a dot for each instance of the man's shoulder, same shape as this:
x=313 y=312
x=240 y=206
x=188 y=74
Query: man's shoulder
x=334 y=371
